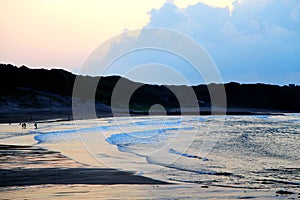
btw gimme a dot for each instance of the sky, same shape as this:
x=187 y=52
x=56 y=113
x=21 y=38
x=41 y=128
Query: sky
x=249 y=40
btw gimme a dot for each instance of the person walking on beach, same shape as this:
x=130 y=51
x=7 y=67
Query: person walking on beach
x=23 y=126
x=35 y=125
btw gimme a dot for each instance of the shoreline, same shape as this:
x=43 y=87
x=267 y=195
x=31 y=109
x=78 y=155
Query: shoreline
x=34 y=172
x=49 y=116
x=70 y=180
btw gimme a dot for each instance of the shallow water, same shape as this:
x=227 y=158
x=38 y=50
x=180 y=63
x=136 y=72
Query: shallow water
x=228 y=151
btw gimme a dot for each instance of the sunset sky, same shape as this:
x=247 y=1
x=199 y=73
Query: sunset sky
x=250 y=40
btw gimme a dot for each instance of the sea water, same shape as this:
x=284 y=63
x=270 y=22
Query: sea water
x=259 y=151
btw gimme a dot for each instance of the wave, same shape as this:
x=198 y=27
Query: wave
x=186 y=155
x=65 y=135
x=142 y=137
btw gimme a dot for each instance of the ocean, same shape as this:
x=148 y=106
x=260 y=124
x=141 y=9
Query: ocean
x=253 y=152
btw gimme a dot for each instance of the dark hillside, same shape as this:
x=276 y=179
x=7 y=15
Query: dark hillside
x=36 y=90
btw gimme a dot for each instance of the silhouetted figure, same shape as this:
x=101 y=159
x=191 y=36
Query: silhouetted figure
x=35 y=125
x=23 y=126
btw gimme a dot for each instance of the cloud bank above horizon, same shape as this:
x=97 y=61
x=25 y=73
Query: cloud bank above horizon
x=259 y=41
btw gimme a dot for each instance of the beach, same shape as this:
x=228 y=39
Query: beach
x=64 y=160
x=164 y=99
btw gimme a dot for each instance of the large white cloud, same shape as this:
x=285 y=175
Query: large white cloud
x=258 y=42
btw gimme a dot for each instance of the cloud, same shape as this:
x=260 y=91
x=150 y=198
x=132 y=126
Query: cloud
x=258 y=42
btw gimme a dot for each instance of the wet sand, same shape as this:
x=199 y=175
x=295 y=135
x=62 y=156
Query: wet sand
x=27 y=165
x=28 y=171
x=130 y=191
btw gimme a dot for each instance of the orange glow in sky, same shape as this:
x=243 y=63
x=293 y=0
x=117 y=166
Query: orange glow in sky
x=62 y=33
